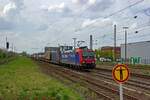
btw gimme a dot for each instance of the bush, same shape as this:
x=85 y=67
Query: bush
x=2 y=55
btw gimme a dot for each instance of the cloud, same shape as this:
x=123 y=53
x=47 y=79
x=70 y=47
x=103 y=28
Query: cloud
x=94 y=5
x=10 y=7
x=91 y=2
x=44 y=7
x=57 y=10
x=147 y=11
x=133 y=26
x=60 y=8
x=42 y=27
x=5 y=25
x=88 y=22
x=7 y=13
x=19 y=3
x=10 y=14
x=80 y=2
x=100 y=22
x=100 y=5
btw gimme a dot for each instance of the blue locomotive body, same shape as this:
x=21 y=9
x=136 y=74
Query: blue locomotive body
x=70 y=58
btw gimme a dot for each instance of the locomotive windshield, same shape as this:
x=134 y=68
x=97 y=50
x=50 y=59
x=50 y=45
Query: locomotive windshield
x=88 y=55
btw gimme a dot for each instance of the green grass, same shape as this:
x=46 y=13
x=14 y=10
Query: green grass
x=21 y=79
x=105 y=63
x=5 y=60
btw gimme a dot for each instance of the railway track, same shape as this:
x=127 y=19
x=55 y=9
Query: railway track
x=139 y=83
x=144 y=87
x=134 y=75
x=101 y=87
x=73 y=79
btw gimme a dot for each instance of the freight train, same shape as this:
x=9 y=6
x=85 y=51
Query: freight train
x=79 y=58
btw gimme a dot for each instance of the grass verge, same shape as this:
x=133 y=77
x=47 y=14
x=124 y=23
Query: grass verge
x=21 y=79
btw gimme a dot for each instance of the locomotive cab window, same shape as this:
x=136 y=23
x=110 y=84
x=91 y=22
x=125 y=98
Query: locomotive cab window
x=88 y=55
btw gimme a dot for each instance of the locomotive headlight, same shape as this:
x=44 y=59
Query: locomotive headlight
x=83 y=61
x=93 y=61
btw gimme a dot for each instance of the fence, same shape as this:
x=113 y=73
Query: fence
x=136 y=60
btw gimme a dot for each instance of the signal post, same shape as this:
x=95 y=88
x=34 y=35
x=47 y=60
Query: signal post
x=120 y=74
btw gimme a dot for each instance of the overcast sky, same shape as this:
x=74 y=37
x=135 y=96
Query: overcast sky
x=32 y=24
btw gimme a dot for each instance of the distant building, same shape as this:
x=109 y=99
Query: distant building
x=137 y=53
x=111 y=49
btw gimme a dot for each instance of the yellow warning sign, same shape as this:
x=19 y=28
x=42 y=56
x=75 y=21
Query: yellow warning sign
x=120 y=73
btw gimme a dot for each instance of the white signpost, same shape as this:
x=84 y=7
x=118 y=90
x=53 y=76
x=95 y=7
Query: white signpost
x=120 y=74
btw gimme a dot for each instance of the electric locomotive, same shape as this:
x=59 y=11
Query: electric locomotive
x=82 y=57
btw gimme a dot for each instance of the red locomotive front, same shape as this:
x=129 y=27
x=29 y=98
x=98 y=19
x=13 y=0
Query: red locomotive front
x=87 y=57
